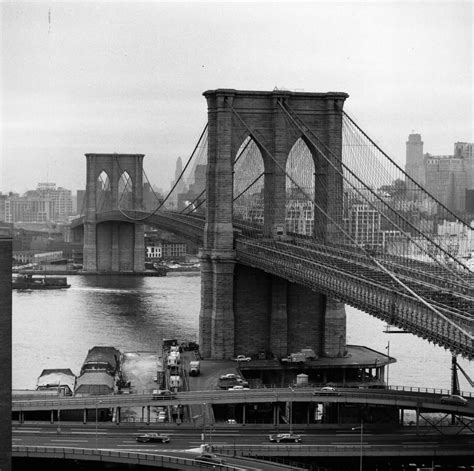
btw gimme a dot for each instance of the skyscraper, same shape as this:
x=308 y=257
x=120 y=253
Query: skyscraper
x=449 y=178
x=414 y=159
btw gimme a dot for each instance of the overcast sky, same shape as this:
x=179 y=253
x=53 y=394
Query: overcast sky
x=128 y=77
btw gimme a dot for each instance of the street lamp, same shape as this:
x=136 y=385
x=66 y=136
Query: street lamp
x=59 y=408
x=206 y=418
x=97 y=422
x=361 y=428
x=388 y=354
x=291 y=410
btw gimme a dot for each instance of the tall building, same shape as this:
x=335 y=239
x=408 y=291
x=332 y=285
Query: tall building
x=180 y=187
x=414 y=159
x=46 y=203
x=3 y=203
x=449 y=178
x=61 y=196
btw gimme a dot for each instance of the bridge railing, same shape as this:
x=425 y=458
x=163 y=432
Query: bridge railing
x=89 y=454
x=372 y=388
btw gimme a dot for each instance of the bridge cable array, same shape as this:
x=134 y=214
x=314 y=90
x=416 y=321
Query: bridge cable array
x=164 y=200
x=393 y=276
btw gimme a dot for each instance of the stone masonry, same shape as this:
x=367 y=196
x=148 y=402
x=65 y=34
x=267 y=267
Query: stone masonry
x=113 y=246
x=244 y=310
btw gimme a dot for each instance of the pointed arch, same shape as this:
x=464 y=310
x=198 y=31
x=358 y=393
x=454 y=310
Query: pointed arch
x=248 y=183
x=125 y=191
x=300 y=189
x=103 y=192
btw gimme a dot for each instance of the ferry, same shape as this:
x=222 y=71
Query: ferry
x=28 y=281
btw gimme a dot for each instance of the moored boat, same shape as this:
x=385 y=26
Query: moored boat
x=23 y=281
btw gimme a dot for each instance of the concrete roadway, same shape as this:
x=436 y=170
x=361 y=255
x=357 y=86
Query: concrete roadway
x=188 y=440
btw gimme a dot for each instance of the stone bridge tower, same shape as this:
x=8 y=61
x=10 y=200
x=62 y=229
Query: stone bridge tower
x=112 y=242
x=244 y=310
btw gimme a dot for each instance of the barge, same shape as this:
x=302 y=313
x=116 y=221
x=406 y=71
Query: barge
x=28 y=281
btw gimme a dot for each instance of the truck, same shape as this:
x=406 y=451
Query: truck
x=309 y=353
x=175 y=382
x=226 y=383
x=172 y=361
x=298 y=357
x=194 y=368
x=177 y=355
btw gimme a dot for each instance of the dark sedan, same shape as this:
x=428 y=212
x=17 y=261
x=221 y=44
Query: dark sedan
x=153 y=437
x=285 y=437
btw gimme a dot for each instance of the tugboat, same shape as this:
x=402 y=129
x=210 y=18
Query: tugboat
x=39 y=282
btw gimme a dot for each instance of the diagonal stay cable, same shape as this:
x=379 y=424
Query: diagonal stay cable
x=203 y=191
x=191 y=203
x=455 y=216
x=374 y=260
x=174 y=186
x=303 y=128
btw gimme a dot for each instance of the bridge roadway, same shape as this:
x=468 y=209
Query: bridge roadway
x=346 y=274
x=234 y=442
x=407 y=399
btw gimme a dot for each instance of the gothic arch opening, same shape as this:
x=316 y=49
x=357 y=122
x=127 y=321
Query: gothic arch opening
x=300 y=188
x=248 y=184
x=125 y=191
x=103 y=197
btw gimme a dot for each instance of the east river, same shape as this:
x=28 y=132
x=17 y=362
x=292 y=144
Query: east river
x=56 y=328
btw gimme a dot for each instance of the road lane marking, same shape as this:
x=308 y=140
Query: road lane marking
x=83 y=430
x=27 y=431
x=68 y=440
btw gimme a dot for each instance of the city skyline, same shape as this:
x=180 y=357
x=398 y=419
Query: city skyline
x=91 y=77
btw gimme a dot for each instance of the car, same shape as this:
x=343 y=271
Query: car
x=230 y=376
x=242 y=358
x=162 y=394
x=454 y=399
x=284 y=437
x=238 y=388
x=209 y=458
x=231 y=421
x=326 y=390
x=153 y=437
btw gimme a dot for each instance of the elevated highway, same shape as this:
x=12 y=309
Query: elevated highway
x=108 y=440
x=400 y=398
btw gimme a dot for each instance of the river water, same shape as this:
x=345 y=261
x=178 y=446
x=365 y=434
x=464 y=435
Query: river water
x=56 y=328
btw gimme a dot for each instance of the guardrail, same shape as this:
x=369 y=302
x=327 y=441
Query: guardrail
x=372 y=387
x=455 y=449
x=408 y=399
x=143 y=459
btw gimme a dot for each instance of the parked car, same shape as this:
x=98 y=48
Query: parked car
x=242 y=358
x=153 y=437
x=230 y=376
x=163 y=394
x=454 y=399
x=284 y=437
x=209 y=458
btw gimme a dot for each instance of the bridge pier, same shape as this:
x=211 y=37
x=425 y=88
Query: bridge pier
x=216 y=328
x=334 y=329
x=244 y=310
x=113 y=244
